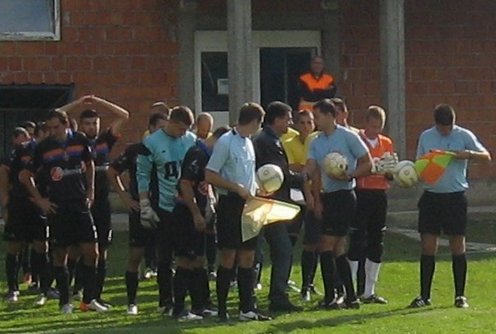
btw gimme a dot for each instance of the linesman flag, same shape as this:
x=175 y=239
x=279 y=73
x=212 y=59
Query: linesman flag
x=259 y=212
x=432 y=165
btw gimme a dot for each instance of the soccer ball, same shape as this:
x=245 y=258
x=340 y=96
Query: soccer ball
x=270 y=178
x=335 y=164
x=404 y=174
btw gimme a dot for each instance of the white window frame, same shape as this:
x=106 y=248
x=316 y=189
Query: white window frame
x=216 y=41
x=36 y=35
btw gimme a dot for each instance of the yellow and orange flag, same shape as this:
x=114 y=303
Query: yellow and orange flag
x=431 y=166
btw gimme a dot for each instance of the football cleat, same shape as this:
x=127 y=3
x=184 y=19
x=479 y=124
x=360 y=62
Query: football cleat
x=374 y=299
x=13 y=297
x=94 y=305
x=186 y=316
x=66 y=309
x=420 y=302
x=132 y=309
x=41 y=300
x=253 y=316
x=461 y=302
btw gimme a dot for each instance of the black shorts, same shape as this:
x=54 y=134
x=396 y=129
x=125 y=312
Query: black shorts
x=445 y=212
x=229 y=210
x=371 y=210
x=294 y=226
x=71 y=225
x=338 y=212
x=26 y=222
x=101 y=213
x=139 y=236
x=188 y=242
x=165 y=235
x=313 y=229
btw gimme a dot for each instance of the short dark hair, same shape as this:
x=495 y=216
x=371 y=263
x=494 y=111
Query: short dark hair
x=249 y=112
x=303 y=113
x=276 y=109
x=326 y=106
x=444 y=114
x=182 y=114
x=59 y=114
x=88 y=113
x=156 y=117
x=28 y=125
x=220 y=131
x=339 y=104
x=20 y=131
x=40 y=127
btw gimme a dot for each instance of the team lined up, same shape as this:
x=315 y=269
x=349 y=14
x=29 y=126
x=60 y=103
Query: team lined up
x=182 y=188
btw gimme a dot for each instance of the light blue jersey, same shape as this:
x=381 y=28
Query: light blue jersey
x=343 y=141
x=159 y=168
x=454 y=178
x=234 y=159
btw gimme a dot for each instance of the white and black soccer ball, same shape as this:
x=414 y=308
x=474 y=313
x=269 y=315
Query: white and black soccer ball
x=405 y=174
x=270 y=178
x=335 y=164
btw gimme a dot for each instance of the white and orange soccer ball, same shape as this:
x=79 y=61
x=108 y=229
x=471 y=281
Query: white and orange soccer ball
x=270 y=178
x=335 y=164
x=405 y=174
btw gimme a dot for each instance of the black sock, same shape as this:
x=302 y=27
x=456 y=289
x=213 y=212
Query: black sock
x=88 y=274
x=11 y=270
x=78 y=276
x=101 y=273
x=308 y=259
x=211 y=251
x=71 y=268
x=164 y=280
x=39 y=264
x=245 y=288
x=361 y=276
x=313 y=270
x=223 y=282
x=200 y=289
x=35 y=267
x=427 y=266
x=343 y=268
x=182 y=280
x=131 y=286
x=459 y=267
x=328 y=267
x=62 y=278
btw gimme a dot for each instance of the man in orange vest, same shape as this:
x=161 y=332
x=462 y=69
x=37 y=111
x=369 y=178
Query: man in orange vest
x=315 y=85
x=367 y=230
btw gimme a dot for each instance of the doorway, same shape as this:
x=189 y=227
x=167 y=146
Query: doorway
x=278 y=59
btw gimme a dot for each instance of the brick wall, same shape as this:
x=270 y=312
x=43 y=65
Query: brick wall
x=450 y=52
x=123 y=50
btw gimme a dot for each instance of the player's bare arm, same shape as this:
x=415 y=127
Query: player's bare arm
x=116 y=181
x=188 y=195
x=90 y=181
x=27 y=179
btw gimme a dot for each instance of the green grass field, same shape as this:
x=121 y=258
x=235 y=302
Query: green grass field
x=398 y=283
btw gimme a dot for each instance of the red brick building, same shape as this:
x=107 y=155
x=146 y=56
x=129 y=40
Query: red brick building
x=134 y=52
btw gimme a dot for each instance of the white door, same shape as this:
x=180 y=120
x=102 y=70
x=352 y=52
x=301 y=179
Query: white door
x=278 y=57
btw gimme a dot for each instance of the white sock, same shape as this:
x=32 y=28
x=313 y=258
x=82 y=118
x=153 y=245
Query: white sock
x=354 y=270
x=371 y=277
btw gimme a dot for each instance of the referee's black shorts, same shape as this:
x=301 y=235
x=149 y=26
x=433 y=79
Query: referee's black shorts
x=338 y=212
x=229 y=210
x=442 y=213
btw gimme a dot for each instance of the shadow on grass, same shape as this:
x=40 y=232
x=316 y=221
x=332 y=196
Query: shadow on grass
x=334 y=321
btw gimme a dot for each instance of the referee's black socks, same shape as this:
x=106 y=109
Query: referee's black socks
x=246 y=278
x=459 y=267
x=308 y=266
x=199 y=289
x=427 y=266
x=182 y=280
x=328 y=267
x=344 y=271
x=223 y=282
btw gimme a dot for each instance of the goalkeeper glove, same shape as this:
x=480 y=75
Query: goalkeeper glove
x=148 y=217
x=385 y=164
